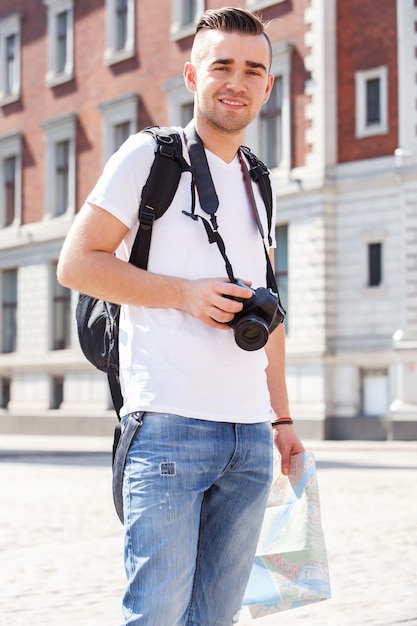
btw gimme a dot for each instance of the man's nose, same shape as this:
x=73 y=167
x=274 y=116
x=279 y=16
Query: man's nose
x=236 y=82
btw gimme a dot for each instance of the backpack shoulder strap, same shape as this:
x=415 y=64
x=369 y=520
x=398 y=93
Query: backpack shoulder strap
x=260 y=175
x=159 y=189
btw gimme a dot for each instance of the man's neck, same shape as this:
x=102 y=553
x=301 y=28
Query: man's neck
x=222 y=144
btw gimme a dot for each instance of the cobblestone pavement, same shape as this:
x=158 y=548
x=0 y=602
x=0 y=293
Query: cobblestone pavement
x=61 y=541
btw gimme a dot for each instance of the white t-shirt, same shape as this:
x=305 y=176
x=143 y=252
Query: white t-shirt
x=169 y=361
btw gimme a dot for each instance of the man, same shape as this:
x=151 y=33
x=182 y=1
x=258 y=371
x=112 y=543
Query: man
x=198 y=472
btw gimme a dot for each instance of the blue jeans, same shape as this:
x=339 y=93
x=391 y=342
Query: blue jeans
x=194 y=495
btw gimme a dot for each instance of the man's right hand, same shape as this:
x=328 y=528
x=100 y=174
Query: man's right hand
x=206 y=301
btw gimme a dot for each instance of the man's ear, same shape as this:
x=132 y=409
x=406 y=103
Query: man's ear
x=268 y=88
x=190 y=77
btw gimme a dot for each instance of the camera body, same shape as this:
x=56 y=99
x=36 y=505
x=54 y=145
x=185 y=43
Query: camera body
x=261 y=314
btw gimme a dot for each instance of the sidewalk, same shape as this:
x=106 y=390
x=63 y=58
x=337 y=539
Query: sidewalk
x=61 y=542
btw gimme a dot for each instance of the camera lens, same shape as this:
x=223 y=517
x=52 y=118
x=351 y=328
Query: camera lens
x=251 y=332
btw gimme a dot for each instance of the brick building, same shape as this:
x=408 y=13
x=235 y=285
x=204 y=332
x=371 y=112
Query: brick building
x=339 y=134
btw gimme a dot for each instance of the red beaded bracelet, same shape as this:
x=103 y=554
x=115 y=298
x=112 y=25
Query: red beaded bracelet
x=282 y=420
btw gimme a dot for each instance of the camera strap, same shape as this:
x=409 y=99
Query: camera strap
x=209 y=201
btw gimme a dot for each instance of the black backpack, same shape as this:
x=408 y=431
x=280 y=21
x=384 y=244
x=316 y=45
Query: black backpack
x=97 y=320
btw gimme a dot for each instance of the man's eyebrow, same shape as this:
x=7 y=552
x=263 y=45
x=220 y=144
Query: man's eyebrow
x=223 y=62
x=255 y=66
x=252 y=64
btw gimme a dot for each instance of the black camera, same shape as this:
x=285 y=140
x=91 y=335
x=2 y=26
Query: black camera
x=261 y=314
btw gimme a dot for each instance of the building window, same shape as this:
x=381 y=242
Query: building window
x=281 y=265
x=11 y=50
x=10 y=180
x=57 y=392
x=119 y=121
x=374 y=264
x=371 y=102
x=121 y=133
x=189 y=12
x=185 y=15
x=9 y=312
x=60 y=165
x=270 y=133
x=60 y=41
x=120 y=26
x=62 y=149
x=9 y=59
x=5 y=393
x=61 y=314
x=10 y=189
x=271 y=126
x=187 y=112
x=180 y=101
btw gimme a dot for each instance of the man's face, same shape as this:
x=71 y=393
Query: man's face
x=229 y=73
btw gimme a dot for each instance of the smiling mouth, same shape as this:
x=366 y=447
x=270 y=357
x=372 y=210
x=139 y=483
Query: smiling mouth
x=232 y=103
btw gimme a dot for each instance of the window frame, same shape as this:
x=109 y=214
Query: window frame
x=55 y=76
x=11 y=146
x=115 y=112
x=362 y=128
x=179 y=29
x=10 y=26
x=112 y=53
x=57 y=131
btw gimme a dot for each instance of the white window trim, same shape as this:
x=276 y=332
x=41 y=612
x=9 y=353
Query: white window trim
x=111 y=54
x=178 y=95
x=57 y=130
x=118 y=111
x=361 y=77
x=11 y=146
x=9 y=26
x=55 y=7
x=281 y=66
x=178 y=30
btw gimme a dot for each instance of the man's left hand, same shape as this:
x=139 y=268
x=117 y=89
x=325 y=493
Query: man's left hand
x=288 y=444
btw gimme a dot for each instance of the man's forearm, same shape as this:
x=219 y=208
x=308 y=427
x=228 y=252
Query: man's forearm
x=102 y=275
x=275 y=349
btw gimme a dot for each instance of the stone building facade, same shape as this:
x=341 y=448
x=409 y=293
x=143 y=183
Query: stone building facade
x=339 y=134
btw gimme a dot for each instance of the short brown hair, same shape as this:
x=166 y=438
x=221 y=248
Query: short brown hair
x=232 y=20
